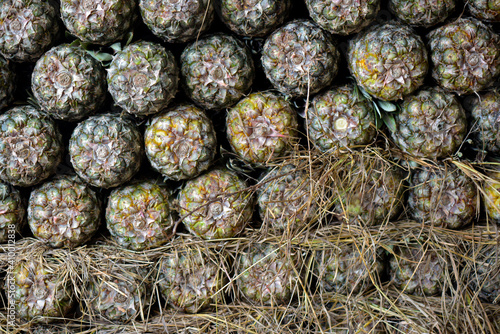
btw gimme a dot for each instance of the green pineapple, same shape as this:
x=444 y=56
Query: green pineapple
x=253 y=18
x=343 y=17
x=215 y=205
x=423 y=13
x=191 y=279
x=106 y=150
x=267 y=275
x=388 y=60
x=139 y=215
x=177 y=21
x=341 y=118
x=28 y=28
x=285 y=199
x=485 y=10
x=68 y=83
x=217 y=71
x=42 y=288
x=484 y=273
x=300 y=59
x=444 y=196
x=143 y=78
x=485 y=112
x=180 y=143
x=431 y=124
x=7 y=83
x=30 y=146
x=12 y=212
x=262 y=127
x=347 y=268
x=64 y=212
x=419 y=270
x=98 y=21
x=465 y=56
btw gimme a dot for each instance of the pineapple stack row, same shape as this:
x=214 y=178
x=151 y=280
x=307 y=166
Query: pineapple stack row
x=242 y=166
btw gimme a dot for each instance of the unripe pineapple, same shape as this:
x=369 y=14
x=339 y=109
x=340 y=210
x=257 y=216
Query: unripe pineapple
x=484 y=274
x=431 y=124
x=491 y=192
x=28 y=28
x=106 y=150
x=267 y=274
x=42 y=290
x=30 y=146
x=68 y=83
x=300 y=59
x=389 y=61
x=262 y=127
x=215 y=205
x=443 y=196
x=12 y=212
x=98 y=21
x=485 y=10
x=143 y=78
x=418 y=270
x=180 y=143
x=139 y=216
x=423 y=13
x=285 y=198
x=465 y=55
x=343 y=17
x=191 y=279
x=7 y=83
x=348 y=269
x=177 y=21
x=485 y=112
x=255 y=18
x=217 y=71
x=341 y=118
x=64 y=212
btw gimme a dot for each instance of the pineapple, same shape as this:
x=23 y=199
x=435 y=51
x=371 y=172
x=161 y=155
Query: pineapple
x=217 y=71
x=139 y=215
x=180 y=143
x=143 y=78
x=30 y=146
x=431 y=124
x=68 y=83
x=64 y=212
x=7 y=83
x=465 y=56
x=341 y=118
x=343 y=17
x=485 y=10
x=388 y=60
x=267 y=275
x=419 y=270
x=106 y=150
x=444 y=196
x=491 y=193
x=485 y=112
x=12 y=212
x=42 y=288
x=177 y=21
x=215 y=205
x=98 y=21
x=422 y=13
x=253 y=18
x=348 y=268
x=262 y=127
x=300 y=59
x=28 y=28
x=484 y=274
x=191 y=279
x=285 y=198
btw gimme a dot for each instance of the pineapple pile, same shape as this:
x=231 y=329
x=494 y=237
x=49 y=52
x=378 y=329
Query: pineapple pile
x=250 y=166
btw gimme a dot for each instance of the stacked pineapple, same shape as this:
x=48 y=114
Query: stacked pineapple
x=248 y=161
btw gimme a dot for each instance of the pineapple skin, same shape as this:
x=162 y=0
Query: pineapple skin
x=422 y=13
x=485 y=112
x=12 y=211
x=68 y=83
x=180 y=143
